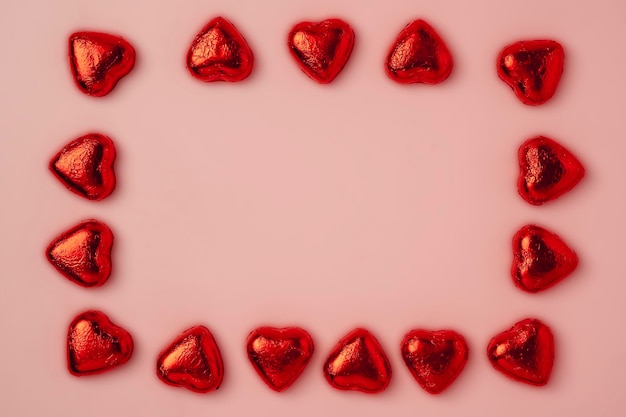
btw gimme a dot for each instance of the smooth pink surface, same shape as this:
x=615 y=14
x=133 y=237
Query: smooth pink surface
x=361 y=203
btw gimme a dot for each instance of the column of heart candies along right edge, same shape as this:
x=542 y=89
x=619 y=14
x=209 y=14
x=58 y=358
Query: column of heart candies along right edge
x=541 y=259
x=193 y=360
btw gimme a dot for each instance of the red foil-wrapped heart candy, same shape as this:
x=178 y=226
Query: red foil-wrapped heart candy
x=219 y=53
x=192 y=361
x=99 y=60
x=321 y=49
x=435 y=358
x=279 y=355
x=419 y=55
x=85 y=166
x=540 y=259
x=358 y=363
x=95 y=344
x=532 y=69
x=547 y=170
x=83 y=253
x=524 y=353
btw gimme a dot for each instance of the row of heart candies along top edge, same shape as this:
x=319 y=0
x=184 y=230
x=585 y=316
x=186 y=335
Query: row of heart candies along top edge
x=524 y=352
x=321 y=49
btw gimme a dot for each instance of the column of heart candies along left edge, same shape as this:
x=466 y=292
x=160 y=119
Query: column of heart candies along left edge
x=279 y=355
x=85 y=166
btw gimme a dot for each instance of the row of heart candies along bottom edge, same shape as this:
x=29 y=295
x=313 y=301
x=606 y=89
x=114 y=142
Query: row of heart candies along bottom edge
x=525 y=353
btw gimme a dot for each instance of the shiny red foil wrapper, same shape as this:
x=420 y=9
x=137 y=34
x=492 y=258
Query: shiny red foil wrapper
x=541 y=259
x=95 y=344
x=547 y=170
x=532 y=69
x=279 y=355
x=321 y=49
x=524 y=353
x=358 y=363
x=99 y=60
x=419 y=55
x=434 y=358
x=220 y=53
x=192 y=361
x=82 y=254
x=85 y=166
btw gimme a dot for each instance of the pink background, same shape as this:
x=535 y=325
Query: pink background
x=278 y=201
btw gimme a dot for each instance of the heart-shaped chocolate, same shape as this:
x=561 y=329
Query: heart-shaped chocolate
x=321 y=49
x=540 y=259
x=419 y=55
x=95 y=344
x=547 y=170
x=192 y=361
x=524 y=353
x=435 y=358
x=85 y=166
x=279 y=355
x=358 y=363
x=99 y=60
x=532 y=69
x=83 y=253
x=220 y=53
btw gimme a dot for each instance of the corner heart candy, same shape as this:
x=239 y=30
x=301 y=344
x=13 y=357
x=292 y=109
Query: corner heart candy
x=540 y=259
x=547 y=170
x=85 y=166
x=192 y=361
x=419 y=55
x=95 y=344
x=532 y=69
x=524 y=353
x=321 y=49
x=83 y=253
x=99 y=60
x=219 y=53
x=358 y=363
x=435 y=358
x=279 y=355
